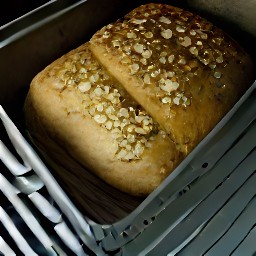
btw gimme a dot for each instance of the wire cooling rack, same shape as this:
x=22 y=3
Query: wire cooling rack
x=206 y=207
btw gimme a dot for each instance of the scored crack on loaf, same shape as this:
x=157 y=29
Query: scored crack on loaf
x=135 y=100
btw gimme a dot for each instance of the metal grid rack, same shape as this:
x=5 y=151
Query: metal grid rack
x=206 y=207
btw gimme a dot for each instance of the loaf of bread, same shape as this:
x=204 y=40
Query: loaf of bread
x=135 y=100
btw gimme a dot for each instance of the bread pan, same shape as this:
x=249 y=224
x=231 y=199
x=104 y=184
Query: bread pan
x=131 y=225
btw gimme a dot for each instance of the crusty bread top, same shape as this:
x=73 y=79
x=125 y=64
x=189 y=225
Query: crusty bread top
x=182 y=69
x=182 y=75
x=104 y=99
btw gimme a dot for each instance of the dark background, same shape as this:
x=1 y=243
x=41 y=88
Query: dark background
x=13 y=9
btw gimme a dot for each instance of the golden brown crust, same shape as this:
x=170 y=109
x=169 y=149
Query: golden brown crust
x=184 y=72
x=69 y=114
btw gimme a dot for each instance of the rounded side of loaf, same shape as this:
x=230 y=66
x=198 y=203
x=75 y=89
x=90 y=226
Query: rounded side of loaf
x=71 y=101
x=183 y=70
